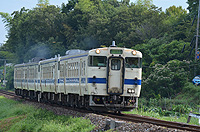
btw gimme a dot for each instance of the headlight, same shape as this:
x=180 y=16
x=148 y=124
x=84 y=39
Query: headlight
x=98 y=51
x=130 y=91
x=134 y=52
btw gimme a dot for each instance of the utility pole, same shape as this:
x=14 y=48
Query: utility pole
x=197 y=37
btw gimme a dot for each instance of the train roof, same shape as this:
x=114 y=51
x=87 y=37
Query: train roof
x=26 y=64
x=74 y=53
x=117 y=51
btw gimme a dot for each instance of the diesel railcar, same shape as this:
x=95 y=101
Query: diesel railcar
x=101 y=79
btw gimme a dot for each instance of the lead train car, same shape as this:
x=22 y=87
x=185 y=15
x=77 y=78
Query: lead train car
x=100 y=79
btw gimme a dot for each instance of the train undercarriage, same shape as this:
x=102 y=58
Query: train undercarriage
x=91 y=102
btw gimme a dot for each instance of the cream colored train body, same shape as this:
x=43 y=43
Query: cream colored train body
x=100 y=79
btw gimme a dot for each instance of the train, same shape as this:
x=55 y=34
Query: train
x=101 y=79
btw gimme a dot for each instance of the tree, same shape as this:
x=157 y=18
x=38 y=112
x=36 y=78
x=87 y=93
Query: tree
x=69 y=6
x=145 y=3
x=193 y=7
x=6 y=19
x=177 y=22
x=166 y=80
x=31 y=27
x=43 y=3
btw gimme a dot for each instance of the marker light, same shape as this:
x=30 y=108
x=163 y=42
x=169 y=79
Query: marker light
x=98 y=51
x=134 y=52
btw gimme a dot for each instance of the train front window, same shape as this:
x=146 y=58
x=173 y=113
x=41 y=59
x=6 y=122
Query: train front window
x=99 y=61
x=115 y=64
x=132 y=62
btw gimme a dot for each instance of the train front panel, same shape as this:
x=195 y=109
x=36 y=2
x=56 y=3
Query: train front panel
x=114 y=77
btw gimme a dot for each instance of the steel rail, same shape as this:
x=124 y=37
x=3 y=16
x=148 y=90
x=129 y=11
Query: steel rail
x=169 y=124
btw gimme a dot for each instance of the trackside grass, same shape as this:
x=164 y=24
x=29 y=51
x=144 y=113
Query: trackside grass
x=17 y=117
x=181 y=118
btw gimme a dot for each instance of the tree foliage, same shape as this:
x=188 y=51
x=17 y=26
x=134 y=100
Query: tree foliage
x=29 y=28
x=47 y=30
x=161 y=79
x=193 y=6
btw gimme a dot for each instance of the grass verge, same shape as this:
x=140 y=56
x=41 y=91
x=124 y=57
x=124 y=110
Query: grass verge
x=181 y=118
x=17 y=117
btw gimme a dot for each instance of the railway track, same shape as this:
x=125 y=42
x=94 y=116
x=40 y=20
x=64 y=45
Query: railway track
x=169 y=124
x=7 y=93
x=138 y=118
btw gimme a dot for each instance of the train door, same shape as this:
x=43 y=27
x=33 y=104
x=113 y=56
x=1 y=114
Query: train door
x=34 y=77
x=55 y=76
x=115 y=75
x=41 y=77
x=82 y=77
x=27 y=78
x=22 y=78
x=66 y=77
x=39 y=85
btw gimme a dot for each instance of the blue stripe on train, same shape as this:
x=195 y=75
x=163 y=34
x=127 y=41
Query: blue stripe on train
x=132 y=82
x=97 y=80
x=103 y=81
x=76 y=80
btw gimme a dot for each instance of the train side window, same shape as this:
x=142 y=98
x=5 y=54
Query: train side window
x=61 y=70
x=31 y=73
x=77 y=69
x=69 y=69
x=59 y=65
x=73 y=69
x=52 y=72
x=35 y=73
x=82 y=70
x=26 y=73
x=66 y=70
x=132 y=62
x=38 y=68
x=99 y=61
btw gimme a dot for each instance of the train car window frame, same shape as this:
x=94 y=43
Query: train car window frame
x=36 y=73
x=39 y=68
x=133 y=62
x=97 y=61
x=26 y=73
x=115 y=64
x=58 y=65
x=61 y=70
x=82 y=71
x=31 y=73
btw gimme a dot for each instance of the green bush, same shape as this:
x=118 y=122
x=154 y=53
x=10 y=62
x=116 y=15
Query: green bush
x=182 y=109
x=191 y=93
x=10 y=78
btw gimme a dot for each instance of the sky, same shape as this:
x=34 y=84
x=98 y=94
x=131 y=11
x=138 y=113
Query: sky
x=9 y=6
